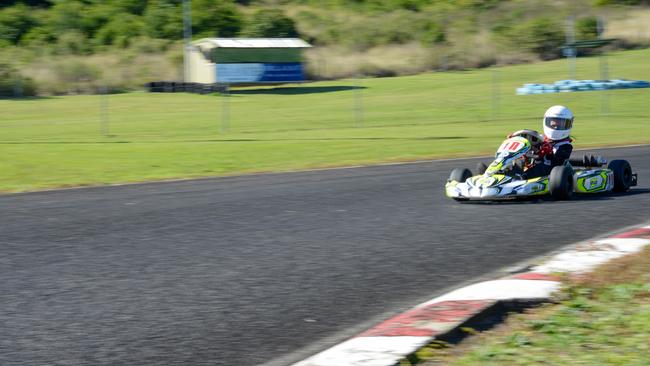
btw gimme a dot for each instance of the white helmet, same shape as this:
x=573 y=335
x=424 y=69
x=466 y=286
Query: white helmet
x=557 y=122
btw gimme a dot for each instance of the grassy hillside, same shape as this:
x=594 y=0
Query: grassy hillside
x=58 y=141
x=75 y=46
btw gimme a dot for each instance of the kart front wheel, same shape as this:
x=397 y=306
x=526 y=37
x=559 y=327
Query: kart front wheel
x=481 y=168
x=622 y=175
x=460 y=175
x=560 y=182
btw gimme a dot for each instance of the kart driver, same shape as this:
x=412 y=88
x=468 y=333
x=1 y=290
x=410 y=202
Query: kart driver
x=556 y=148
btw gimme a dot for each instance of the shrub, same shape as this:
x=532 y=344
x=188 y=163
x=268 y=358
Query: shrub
x=374 y=70
x=270 y=23
x=39 y=37
x=77 y=77
x=120 y=30
x=66 y=16
x=145 y=44
x=73 y=42
x=215 y=18
x=479 y=4
x=13 y=84
x=14 y=23
x=398 y=27
x=131 y=6
x=545 y=37
x=622 y=2
x=542 y=36
x=163 y=20
x=432 y=33
x=587 y=28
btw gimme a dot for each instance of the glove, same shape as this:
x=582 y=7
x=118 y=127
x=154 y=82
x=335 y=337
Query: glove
x=532 y=154
x=546 y=149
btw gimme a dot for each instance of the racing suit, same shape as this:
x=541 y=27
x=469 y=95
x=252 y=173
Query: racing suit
x=551 y=154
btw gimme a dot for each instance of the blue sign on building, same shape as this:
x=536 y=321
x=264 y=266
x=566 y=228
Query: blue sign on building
x=259 y=72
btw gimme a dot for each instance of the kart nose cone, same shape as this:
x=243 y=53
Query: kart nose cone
x=487 y=181
x=489 y=192
x=484 y=192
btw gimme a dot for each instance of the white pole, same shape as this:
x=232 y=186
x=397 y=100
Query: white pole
x=496 y=93
x=571 y=51
x=187 y=33
x=225 y=109
x=18 y=86
x=358 y=103
x=103 y=111
x=604 y=70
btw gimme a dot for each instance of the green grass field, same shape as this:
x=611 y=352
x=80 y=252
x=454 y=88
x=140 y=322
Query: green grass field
x=58 y=141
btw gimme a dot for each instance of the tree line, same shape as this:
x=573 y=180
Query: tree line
x=84 y=26
x=88 y=26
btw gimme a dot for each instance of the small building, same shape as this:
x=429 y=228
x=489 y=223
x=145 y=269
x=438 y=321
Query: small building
x=246 y=60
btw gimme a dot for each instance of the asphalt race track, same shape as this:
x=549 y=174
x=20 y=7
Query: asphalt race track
x=259 y=269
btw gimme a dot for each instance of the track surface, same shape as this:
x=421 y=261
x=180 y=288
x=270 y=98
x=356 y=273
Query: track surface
x=248 y=270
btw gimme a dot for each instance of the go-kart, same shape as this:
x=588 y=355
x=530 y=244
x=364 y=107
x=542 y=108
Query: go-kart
x=505 y=177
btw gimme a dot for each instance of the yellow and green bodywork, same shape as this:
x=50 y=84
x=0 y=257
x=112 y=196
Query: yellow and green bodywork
x=501 y=186
x=496 y=186
x=593 y=181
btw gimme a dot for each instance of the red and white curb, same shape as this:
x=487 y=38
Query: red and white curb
x=391 y=341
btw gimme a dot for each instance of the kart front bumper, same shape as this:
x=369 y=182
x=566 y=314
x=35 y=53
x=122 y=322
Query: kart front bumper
x=472 y=189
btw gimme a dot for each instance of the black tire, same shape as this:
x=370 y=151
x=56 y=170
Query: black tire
x=460 y=174
x=560 y=182
x=622 y=175
x=481 y=168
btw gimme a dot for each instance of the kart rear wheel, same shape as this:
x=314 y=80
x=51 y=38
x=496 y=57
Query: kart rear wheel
x=622 y=175
x=560 y=182
x=460 y=175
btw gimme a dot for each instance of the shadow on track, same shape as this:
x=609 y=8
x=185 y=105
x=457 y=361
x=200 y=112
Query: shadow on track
x=549 y=200
x=632 y=192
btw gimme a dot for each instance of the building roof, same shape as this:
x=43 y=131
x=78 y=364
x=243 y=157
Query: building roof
x=251 y=43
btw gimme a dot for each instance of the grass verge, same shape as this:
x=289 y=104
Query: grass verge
x=134 y=137
x=602 y=318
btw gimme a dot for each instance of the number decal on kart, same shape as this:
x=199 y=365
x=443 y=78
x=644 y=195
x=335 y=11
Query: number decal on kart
x=513 y=146
x=510 y=146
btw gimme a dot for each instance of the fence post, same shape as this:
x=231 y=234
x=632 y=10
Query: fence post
x=18 y=86
x=604 y=69
x=496 y=93
x=103 y=111
x=225 y=109
x=570 y=51
x=358 y=103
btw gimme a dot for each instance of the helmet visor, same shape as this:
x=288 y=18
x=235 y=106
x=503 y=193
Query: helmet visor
x=558 y=123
